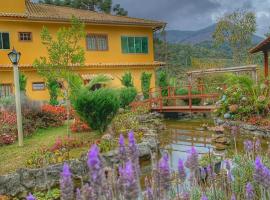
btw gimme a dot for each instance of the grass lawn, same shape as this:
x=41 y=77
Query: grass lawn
x=13 y=157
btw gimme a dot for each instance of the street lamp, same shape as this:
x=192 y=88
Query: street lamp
x=14 y=57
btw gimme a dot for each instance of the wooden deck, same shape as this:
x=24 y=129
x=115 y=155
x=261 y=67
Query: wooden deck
x=184 y=109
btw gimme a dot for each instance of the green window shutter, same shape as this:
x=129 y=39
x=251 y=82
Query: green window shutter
x=131 y=44
x=124 y=44
x=144 y=45
x=5 y=39
x=138 y=45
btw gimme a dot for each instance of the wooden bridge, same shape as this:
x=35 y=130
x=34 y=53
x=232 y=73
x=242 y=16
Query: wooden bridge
x=186 y=98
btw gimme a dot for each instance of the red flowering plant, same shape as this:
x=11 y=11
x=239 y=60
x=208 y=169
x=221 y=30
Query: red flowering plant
x=79 y=126
x=7 y=127
x=59 y=111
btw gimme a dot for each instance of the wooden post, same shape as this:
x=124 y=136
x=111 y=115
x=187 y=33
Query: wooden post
x=265 y=64
x=189 y=97
x=18 y=105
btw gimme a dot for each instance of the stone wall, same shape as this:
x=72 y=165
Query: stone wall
x=244 y=127
x=25 y=180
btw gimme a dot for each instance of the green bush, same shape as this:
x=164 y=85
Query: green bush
x=23 y=82
x=127 y=80
x=126 y=96
x=182 y=91
x=97 y=108
x=53 y=87
x=163 y=83
x=145 y=84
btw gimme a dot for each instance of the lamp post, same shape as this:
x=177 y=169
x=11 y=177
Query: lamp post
x=14 y=57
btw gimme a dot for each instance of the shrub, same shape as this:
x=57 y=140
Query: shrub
x=163 y=83
x=97 y=108
x=53 y=87
x=127 y=95
x=23 y=82
x=182 y=91
x=127 y=80
x=145 y=84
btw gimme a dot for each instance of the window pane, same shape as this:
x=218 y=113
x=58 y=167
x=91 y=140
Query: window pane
x=38 y=86
x=5 y=37
x=102 y=43
x=131 y=45
x=91 y=44
x=124 y=41
x=145 y=45
x=138 y=44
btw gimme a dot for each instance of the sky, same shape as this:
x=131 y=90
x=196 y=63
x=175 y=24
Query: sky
x=196 y=14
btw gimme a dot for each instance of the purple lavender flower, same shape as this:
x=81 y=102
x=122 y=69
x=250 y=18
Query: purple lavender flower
x=192 y=160
x=134 y=152
x=88 y=192
x=95 y=166
x=181 y=171
x=66 y=184
x=78 y=194
x=131 y=190
x=96 y=171
x=30 y=197
x=249 y=191
x=164 y=172
x=258 y=145
x=149 y=193
x=228 y=165
x=261 y=173
x=233 y=197
x=122 y=149
x=204 y=197
x=229 y=177
x=211 y=173
x=248 y=146
x=185 y=196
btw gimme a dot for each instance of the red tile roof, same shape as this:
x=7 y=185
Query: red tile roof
x=45 y=12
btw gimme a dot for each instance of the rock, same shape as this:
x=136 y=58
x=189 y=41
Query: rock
x=220 y=147
x=222 y=140
x=249 y=127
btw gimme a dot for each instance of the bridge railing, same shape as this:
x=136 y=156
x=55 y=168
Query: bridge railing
x=170 y=96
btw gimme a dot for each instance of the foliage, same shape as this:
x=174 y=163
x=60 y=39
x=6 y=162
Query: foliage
x=145 y=84
x=236 y=29
x=53 y=87
x=126 y=96
x=163 y=83
x=57 y=153
x=33 y=119
x=207 y=159
x=105 y=6
x=64 y=52
x=125 y=122
x=99 y=79
x=97 y=108
x=243 y=98
x=79 y=126
x=127 y=80
x=106 y=145
x=23 y=82
x=183 y=91
x=52 y=194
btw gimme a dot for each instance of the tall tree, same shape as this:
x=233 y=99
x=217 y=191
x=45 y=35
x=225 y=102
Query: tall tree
x=105 y=6
x=64 y=54
x=236 y=29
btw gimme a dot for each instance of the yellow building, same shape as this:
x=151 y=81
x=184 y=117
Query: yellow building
x=113 y=45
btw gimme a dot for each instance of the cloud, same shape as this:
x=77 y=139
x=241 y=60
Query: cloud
x=196 y=14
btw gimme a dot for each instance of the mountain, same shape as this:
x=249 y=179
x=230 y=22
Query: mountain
x=199 y=36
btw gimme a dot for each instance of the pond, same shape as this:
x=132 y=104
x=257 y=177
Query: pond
x=181 y=135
